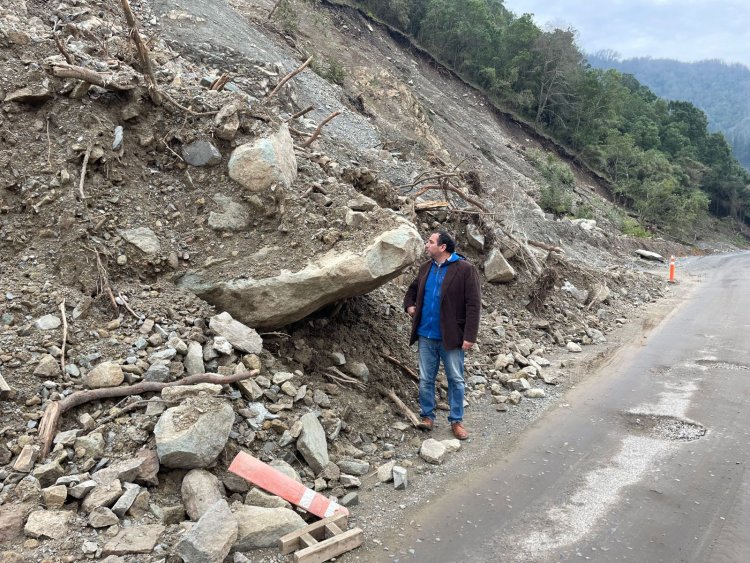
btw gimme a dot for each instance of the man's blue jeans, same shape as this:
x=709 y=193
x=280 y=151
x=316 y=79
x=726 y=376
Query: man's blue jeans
x=430 y=353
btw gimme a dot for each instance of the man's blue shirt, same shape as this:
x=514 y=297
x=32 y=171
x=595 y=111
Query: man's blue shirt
x=429 y=321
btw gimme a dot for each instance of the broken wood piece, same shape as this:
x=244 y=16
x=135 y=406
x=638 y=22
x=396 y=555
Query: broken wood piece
x=116 y=81
x=83 y=172
x=5 y=389
x=275 y=482
x=331 y=547
x=544 y=246
x=55 y=409
x=148 y=69
x=294 y=540
x=427 y=205
x=65 y=336
x=317 y=131
x=220 y=82
x=340 y=378
x=289 y=76
x=406 y=411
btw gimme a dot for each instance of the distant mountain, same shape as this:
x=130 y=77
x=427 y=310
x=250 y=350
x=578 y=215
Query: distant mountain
x=721 y=90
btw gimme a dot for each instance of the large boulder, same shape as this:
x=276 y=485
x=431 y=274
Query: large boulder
x=258 y=166
x=262 y=527
x=211 y=538
x=312 y=442
x=497 y=269
x=194 y=433
x=200 y=491
x=276 y=301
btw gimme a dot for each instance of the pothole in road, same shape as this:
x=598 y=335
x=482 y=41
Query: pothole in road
x=664 y=427
x=722 y=365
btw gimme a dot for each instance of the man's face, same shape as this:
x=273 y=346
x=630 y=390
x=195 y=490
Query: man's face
x=432 y=248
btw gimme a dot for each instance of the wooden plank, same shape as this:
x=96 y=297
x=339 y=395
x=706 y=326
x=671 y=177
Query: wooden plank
x=4 y=388
x=307 y=540
x=275 y=482
x=291 y=541
x=331 y=547
x=333 y=530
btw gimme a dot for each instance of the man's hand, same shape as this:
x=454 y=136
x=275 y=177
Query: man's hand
x=412 y=310
x=467 y=345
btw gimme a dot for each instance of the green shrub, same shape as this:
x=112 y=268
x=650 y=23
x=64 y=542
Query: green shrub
x=332 y=70
x=630 y=226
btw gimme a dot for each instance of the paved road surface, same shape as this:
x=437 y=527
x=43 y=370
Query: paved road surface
x=645 y=462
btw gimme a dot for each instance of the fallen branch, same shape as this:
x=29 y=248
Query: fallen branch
x=115 y=81
x=178 y=105
x=55 y=409
x=103 y=281
x=288 y=77
x=220 y=82
x=340 y=378
x=317 y=131
x=60 y=47
x=83 y=172
x=427 y=205
x=419 y=180
x=300 y=113
x=65 y=335
x=406 y=369
x=124 y=300
x=406 y=411
x=153 y=88
x=475 y=202
x=124 y=410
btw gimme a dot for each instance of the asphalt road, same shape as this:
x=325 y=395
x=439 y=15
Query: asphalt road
x=644 y=461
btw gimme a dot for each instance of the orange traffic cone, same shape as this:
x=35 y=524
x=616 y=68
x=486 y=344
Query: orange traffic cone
x=671 y=270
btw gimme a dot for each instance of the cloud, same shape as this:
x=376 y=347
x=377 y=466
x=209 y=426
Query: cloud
x=686 y=30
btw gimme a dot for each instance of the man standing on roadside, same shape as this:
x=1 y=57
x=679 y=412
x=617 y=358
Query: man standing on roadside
x=444 y=302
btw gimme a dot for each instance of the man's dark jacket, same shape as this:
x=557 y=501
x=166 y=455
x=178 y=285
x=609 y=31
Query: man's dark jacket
x=460 y=303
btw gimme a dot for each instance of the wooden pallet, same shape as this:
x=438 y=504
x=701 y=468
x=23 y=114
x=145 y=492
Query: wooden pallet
x=321 y=540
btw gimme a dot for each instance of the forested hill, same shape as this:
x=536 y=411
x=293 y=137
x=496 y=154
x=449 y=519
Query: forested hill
x=659 y=155
x=721 y=90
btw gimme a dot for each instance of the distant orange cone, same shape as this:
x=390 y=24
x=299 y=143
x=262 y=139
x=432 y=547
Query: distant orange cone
x=671 y=270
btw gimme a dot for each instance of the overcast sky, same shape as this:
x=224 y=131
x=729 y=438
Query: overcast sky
x=686 y=30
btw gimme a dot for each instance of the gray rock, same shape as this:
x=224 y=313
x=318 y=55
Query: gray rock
x=268 y=161
x=194 y=359
x=400 y=480
x=256 y=497
x=163 y=355
x=48 y=322
x=158 y=372
x=535 y=393
x=358 y=370
x=26 y=459
x=276 y=301
x=91 y=445
x=200 y=491
x=573 y=347
x=349 y=481
x=82 y=489
x=138 y=539
x=385 y=472
x=475 y=237
x=54 y=524
x=350 y=499
x=262 y=527
x=102 y=517
x=126 y=501
x=362 y=203
x=648 y=255
x=194 y=433
x=48 y=366
x=580 y=295
x=30 y=94
x=55 y=496
x=210 y=540
x=312 y=442
x=107 y=374
x=354 y=467
x=432 y=451
x=497 y=269
x=102 y=495
x=201 y=153
x=142 y=238
x=232 y=216
x=239 y=335
x=451 y=445
x=48 y=473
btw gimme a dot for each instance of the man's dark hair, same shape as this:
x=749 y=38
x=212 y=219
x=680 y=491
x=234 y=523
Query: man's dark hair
x=447 y=240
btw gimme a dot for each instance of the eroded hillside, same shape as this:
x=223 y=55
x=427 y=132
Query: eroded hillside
x=114 y=210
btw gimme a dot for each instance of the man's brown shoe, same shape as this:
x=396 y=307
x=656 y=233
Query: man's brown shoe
x=426 y=423
x=459 y=431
